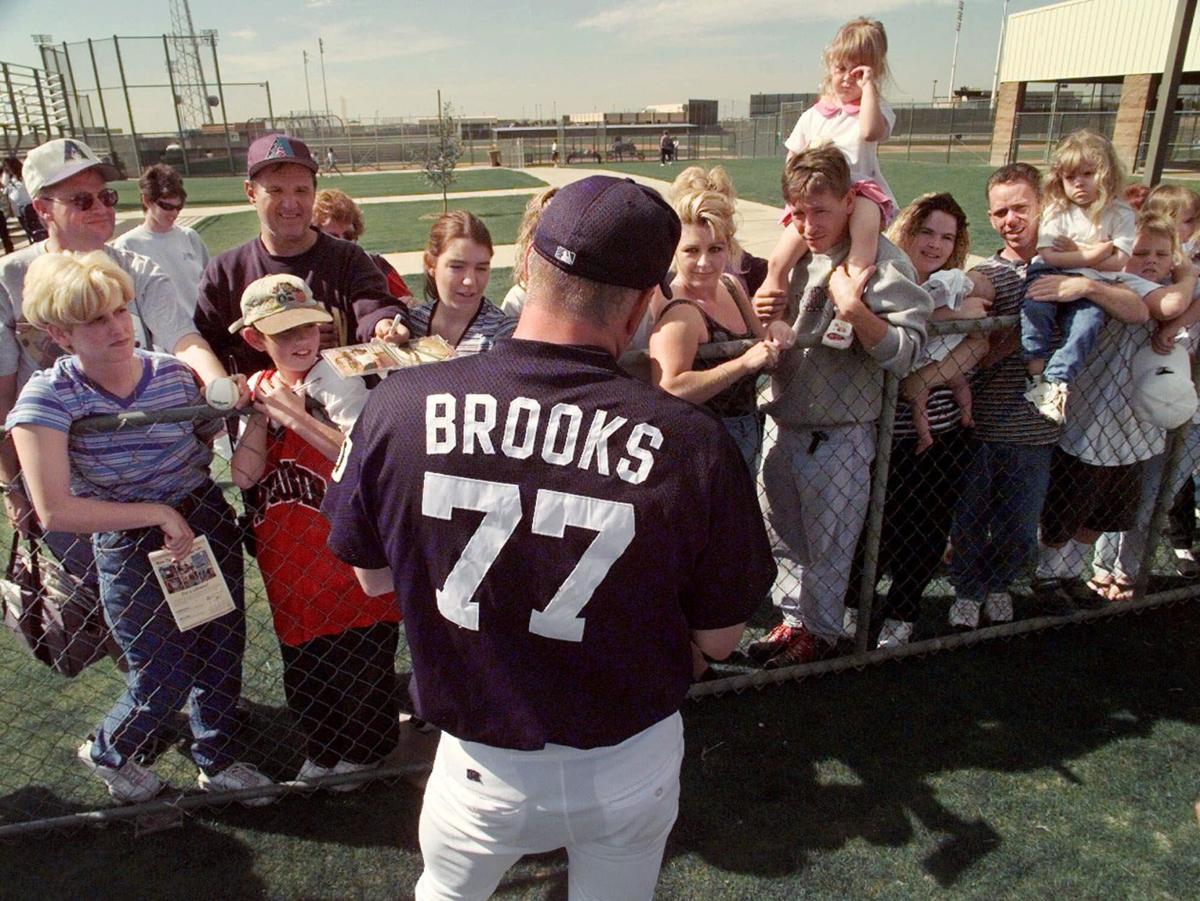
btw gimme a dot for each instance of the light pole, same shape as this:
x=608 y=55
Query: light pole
x=933 y=98
x=307 y=89
x=999 y=52
x=324 y=86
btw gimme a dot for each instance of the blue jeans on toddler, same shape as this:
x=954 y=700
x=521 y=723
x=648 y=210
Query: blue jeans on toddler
x=1079 y=322
x=167 y=666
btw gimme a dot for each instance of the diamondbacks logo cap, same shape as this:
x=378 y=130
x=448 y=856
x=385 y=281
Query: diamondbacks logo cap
x=271 y=149
x=276 y=303
x=57 y=160
x=610 y=230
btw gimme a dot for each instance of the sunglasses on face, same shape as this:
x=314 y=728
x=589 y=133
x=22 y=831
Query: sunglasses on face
x=84 y=199
x=170 y=207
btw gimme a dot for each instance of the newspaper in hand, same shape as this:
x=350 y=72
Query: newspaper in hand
x=194 y=587
x=382 y=356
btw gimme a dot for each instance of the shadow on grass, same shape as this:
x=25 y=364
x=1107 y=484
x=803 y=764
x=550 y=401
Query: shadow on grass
x=773 y=778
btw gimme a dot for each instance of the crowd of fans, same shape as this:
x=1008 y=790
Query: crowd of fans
x=1022 y=446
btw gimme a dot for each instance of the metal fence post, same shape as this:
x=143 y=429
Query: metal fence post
x=175 y=106
x=137 y=156
x=874 y=525
x=212 y=38
x=100 y=95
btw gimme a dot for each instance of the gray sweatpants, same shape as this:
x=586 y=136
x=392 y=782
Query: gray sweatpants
x=816 y=485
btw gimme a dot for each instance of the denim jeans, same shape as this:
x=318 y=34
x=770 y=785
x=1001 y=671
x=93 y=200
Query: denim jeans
x=1079 y=321
x=167 y=666
x=996 y=519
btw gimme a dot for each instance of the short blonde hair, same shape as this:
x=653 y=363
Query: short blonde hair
x=860 y=42
x=529 y=223
x=332 y=205
x=1072 y=153
x=816 y=169
x=1150 y=222
x=708 y=198
x=1173 y=201
x=68 y=289
x=912 y=217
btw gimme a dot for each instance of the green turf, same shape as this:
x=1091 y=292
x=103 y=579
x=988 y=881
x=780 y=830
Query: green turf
x=390 y=227
x=1059 y=764
x=758 y=180
x=228 y=189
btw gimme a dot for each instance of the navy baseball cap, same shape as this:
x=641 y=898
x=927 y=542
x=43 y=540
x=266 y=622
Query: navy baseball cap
x=271 y=149
x=610 y=230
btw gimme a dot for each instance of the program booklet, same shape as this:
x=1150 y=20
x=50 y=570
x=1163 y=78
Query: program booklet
x=380 y=356
x=194 y=587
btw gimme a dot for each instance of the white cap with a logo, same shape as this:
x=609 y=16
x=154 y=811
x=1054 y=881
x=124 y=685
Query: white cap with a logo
x=1163 y=393
x=57 y=160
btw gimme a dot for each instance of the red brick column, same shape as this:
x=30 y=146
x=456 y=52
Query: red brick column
x=1009 y=101
x=1137 y=96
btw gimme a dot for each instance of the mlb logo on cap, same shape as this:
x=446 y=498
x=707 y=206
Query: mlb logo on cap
x=564 y=256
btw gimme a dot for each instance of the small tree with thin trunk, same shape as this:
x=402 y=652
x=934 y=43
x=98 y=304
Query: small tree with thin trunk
x=442 y=155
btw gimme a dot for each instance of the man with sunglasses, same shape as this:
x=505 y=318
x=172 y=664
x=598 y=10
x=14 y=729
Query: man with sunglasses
x=179 y=251
x=68 y=183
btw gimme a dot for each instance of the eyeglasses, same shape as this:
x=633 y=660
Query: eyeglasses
x=84 y=199
x=170 y=207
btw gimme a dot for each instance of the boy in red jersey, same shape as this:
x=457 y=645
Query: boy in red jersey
x=338 y=645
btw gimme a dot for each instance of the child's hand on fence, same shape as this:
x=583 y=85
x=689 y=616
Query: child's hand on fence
x=177 y=534
x=1163 y=339
x=20 y=512
x=763 y=355
x=973 y=308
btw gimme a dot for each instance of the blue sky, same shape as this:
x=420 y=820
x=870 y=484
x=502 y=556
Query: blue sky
x=512 y=58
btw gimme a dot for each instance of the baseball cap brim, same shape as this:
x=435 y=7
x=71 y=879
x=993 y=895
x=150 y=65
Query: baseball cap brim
x=309 y=164
x=107 y=171
x=281 y=322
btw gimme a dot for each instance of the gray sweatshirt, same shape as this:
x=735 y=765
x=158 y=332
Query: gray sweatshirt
x=816 y=386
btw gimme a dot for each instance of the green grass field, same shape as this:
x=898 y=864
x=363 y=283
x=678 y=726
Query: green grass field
x=1064 y=764
x=390 y=227
x=227 y=189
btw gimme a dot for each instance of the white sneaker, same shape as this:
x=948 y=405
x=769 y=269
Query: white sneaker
x=131 y=783
x=311 y=770
x=964 y=614
x=895 y=632
x=237 y=776
x=1054 y=401
x=998 y=607
x=850 y=623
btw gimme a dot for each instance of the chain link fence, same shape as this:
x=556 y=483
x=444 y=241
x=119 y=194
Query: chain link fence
x=308 y=681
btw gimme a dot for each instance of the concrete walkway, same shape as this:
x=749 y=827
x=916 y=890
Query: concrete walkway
x=757 y=231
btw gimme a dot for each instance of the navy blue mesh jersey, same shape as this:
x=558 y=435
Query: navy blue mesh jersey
x=555 y=530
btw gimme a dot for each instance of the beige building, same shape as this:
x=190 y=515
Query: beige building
x=1106 y=43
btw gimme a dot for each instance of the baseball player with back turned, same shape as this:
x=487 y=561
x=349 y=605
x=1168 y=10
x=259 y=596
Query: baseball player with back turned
x=559 y=536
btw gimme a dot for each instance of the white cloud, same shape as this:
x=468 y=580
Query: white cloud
x=244 y=34
x=686 y=19
x=318 y=4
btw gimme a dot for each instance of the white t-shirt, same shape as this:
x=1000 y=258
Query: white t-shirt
x=180 y=253
x=1117 y=224
x=841 y=129
x=1100 y=427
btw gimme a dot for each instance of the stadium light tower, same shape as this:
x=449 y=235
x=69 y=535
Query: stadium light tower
x=195 y=109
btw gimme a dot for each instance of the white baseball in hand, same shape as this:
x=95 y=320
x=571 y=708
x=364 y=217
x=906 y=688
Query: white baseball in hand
x=222 y=393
